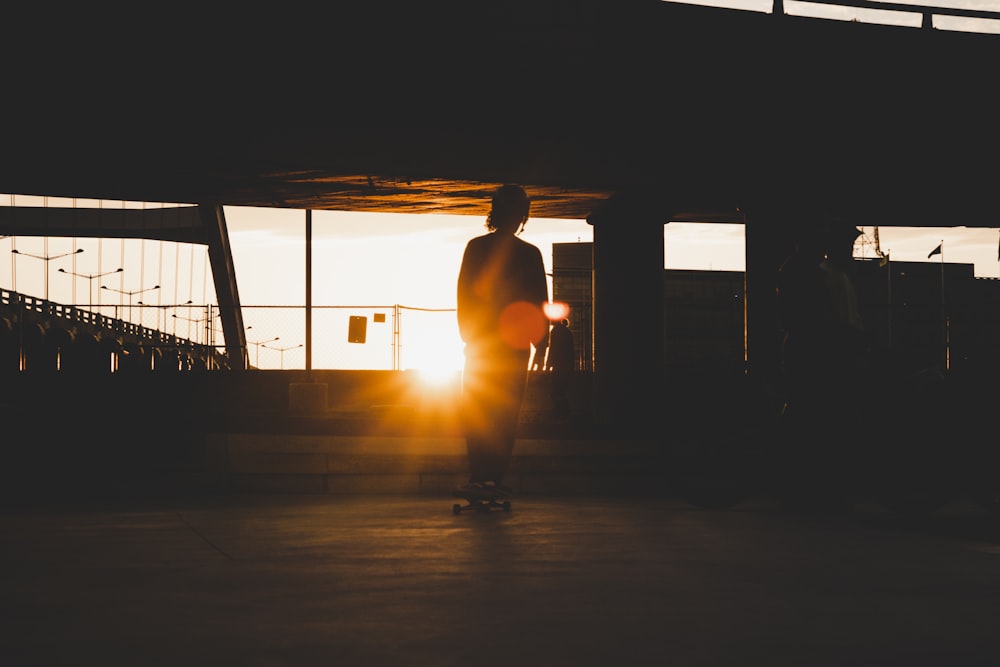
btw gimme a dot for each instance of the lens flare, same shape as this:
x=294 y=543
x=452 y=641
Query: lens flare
x=520 y=324
x=556 y=310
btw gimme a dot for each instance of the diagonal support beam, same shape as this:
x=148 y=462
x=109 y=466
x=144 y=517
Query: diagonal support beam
x=220 y=255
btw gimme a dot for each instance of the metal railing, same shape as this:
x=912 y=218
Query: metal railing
x=32 y=330
x=396 y=337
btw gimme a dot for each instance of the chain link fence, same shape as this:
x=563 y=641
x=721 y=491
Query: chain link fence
x=392 y=337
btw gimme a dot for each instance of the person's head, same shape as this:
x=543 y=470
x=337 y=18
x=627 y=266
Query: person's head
x=510 y=209
x=827 y=236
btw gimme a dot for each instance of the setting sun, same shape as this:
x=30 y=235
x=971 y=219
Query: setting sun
x=436 y=376
x=434 y=351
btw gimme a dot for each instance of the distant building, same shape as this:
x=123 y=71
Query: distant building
x=703 y=310
x=572 y=283
x=928 y=314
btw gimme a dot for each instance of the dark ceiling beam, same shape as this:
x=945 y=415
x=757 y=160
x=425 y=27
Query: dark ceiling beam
x=717 y=109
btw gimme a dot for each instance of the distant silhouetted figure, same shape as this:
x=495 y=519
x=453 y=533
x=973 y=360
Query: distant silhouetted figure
x=824 y=354
x=800 y=313
x=501 y=290
x=562 y=363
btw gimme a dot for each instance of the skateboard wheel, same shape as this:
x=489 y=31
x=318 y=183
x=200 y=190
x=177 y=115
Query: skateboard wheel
x=456 y=509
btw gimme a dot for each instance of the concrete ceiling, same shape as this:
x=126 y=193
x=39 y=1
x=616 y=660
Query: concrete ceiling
x=425 y=107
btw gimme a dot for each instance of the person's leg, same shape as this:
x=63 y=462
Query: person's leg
x=476 y=418
x=507 y=388
x=492 y=400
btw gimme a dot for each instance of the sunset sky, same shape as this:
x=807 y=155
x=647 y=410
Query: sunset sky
x=372 y=261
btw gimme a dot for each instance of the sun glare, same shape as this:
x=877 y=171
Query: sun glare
x=556 y=310
x=437 y=376
x=435 y=352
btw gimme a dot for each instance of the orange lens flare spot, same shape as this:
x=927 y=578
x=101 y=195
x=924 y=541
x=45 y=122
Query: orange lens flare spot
x=556 y=310
x=521 y=323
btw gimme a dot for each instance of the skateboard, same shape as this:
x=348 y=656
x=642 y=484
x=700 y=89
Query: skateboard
x=481 y=502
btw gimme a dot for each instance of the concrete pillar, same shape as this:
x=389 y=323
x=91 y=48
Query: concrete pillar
x=628 y=310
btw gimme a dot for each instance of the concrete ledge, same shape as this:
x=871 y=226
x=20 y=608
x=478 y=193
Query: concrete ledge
x=426 y=465
x=421 y=484
x=308 y=398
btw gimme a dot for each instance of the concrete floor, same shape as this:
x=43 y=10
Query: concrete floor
x=390 y=580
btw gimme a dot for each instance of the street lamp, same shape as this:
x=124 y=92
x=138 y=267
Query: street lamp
x=162 y=307
x=257 y=344
x=176 y=306
x=91 y=277
x=47 y=259
x=130 y=294
x=191 y=321
x=282 y=351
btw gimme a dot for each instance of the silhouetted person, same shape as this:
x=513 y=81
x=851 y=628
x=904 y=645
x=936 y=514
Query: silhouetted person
x=501 y=290
x=562 y=363
x=800 y=306
x=824 y=353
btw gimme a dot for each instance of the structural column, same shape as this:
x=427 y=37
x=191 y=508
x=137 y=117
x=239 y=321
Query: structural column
x=628 y=311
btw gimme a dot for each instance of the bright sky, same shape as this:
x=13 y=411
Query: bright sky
x=873 y=15
x=370 y=262
x=370 y=258
x=413 y=260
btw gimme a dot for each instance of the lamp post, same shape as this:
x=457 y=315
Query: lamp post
x=47 y=259
x=130 y=294
x=176 y=306
x=90 y=277
x=192 y=321
x=282 y=351
x=257 y=344
x=163 y=308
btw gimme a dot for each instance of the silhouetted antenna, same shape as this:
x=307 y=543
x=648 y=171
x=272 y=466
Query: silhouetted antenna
x=866 y=240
